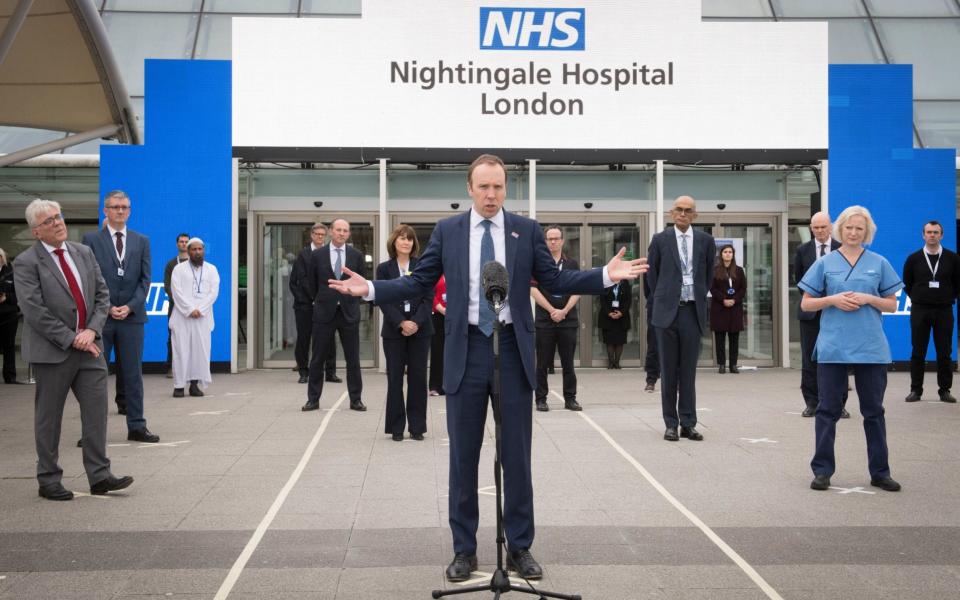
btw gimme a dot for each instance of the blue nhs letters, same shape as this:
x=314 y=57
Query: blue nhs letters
x=504 y=28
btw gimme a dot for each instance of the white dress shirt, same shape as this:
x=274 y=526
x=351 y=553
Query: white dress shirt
x=113 y=239
x=314 y=247
x=826 y=249
x=499 y=252
x=71 y=264
x=333 y=257
x=688 y=268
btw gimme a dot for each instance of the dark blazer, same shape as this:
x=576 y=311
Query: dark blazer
x=625 y=298
x=727 y=318
x=527 y=257
x=804 y=258
x=325 y=300
x=666 y=275
x=298 y=278
x=420 y=306
x=131 y=289
x=8 y=310
x=573 y=317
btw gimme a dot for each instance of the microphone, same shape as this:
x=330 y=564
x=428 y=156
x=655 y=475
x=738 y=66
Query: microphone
x=494 y=280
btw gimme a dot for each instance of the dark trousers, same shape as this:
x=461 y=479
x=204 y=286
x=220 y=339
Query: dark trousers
x=809 y=330
x=436 y=352
x=871 y=382
x=651 y=363
x=679 y=348
x=466 y=426
x=126 y=341
x=940 y=320
x=720 y=337
x=549 y=340
x=322 y=341
x=301 y=351
x=8 y=346
x=406 y=354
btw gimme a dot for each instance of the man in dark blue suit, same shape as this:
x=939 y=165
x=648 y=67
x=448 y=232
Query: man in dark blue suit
x=458 y=249
x=124 y=259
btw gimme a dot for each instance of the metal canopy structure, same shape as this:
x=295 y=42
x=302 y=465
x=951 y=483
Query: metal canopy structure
x=57 y=72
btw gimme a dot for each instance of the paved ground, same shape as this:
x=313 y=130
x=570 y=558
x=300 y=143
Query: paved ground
x=620 y=512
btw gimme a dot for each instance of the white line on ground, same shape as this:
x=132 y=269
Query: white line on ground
x=713 y=537
x=258 y=534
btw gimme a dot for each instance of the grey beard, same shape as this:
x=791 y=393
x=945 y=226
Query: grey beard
x=198 y=262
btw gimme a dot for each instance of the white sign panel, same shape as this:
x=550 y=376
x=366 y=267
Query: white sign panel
x=529 y=74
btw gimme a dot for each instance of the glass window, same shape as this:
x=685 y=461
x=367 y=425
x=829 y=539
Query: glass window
x=932 y=46
x=736 y=8
x=939 y=123
x=13 y=139
x=331 y=7
x=139 y=36
x=214 y=40
x=153 y=5
x=913 y=8
x=91 y=147
x=851 y=41
x=251 y=6
x=818 y=8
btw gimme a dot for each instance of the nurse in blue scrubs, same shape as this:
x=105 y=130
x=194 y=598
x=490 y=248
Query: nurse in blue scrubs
x=852 y=286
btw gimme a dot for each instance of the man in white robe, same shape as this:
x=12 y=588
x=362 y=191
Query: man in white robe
x=195 y=285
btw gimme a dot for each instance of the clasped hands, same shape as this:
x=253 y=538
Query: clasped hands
x=408 y=328
x=86 y=342
x=120 y=312
x=851 y=301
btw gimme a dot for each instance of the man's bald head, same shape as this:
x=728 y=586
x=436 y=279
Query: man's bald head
x=820 y=227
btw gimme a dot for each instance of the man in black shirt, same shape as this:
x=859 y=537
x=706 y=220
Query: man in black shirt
x=931 y=277
x=181 y=256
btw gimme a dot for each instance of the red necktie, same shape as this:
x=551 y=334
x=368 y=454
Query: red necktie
x=119 y=244
x=74 y=289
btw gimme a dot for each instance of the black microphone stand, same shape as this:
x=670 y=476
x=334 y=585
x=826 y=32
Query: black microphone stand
x=499 y=582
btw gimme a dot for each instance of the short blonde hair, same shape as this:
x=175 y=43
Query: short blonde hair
x=38 y=207
x=852 y=211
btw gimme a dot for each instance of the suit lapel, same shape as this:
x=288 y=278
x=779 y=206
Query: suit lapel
x=672 y=244
x=87 y=284
x=48 y=261
x=510 y=242
x=108 y=244
x=463 y=242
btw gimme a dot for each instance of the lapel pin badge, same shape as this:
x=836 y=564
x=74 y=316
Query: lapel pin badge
x=515 y=234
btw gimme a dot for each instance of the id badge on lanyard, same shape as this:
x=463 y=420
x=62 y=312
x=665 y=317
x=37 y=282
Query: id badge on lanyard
x=616 y=297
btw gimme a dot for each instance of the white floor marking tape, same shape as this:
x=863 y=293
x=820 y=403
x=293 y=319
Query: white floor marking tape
x=730 y=552
x=251 y=546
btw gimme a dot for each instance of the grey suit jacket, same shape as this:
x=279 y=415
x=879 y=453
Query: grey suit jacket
x=131 y=289
x=49 y=311
x=665 y=276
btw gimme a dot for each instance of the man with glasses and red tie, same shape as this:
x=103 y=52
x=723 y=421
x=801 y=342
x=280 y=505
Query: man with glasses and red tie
x=64 y=301
x=124 y=259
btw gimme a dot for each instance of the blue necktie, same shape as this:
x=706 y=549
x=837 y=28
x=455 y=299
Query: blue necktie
x=686 y=291
x=338 y=267
x=485 y=322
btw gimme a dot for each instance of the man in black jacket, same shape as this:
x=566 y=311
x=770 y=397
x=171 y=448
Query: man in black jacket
x=303 y=310
x=557 y=325
x=931 y=277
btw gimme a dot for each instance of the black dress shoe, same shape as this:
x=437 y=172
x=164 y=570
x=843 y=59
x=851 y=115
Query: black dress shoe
x=80 y=443
x=542 y=406
x=333 y=379
x=310 y=406
x=885 y=483
x=671 y=434
x=460 y=568
x=913 y=396
x=650 y=388
x=121 y=409
x=572 y=405
x=55 y=491
x=734 y=369
x=398 y=437
x=14 y=382
x=303 y=379
x=195 y=389
x=357 y=405
x=808 y=412
x=523 y=563
x=844 y=414
x=551 y=370
x=143 y=435
x=110 y=484
x=722 y=369
x=820 y=483
x=691 y=433
x=947 y=397
x=417 y=436
x=178 y=392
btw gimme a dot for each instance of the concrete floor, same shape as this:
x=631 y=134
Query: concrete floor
x=344 y=512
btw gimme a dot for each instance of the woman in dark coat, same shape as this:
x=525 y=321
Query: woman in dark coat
x=436 y=344
x=406 y=332
x=9 y=319
x=726 y=306
x=613 y=321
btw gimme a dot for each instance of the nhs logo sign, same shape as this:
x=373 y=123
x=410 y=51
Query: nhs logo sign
x=532 y=28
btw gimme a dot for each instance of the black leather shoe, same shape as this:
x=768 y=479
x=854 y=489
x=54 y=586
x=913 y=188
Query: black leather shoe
x=650 y=388
x=947 y=397
x=691 y=433
x=80 y=443
x=417 y=436
x=303 y=379
x=333 y=379
x=734 y=369
x=121 y=409
x=886 y=483
x=460 y=568
x=357 y=405
x=671 y=434
x=55 y=491
x=178 y=392
x=722 y=370
x=844 y=414
x=913 y=396
x=110 y=484
x=820 y=483
x=195 y=389
x=143 y=435
x=551 y=370
x=523 y=563
x=808 y=412
x=310 y=406
x=542 y=406
x=398 y=437
x=572 y=405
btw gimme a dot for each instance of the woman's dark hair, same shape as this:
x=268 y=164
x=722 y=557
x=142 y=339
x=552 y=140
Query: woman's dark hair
x=721 y=272
x=406 y=232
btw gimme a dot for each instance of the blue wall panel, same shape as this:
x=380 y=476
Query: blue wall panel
x=873 y=163
x=181 y=181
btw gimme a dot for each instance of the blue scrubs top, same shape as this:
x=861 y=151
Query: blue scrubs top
x=856 y=336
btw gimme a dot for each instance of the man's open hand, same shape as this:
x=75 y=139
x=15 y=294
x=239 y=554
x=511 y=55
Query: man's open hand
x=352 y=286
x=619 y=269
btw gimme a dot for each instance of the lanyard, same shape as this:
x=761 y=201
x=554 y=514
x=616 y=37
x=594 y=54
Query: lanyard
x=933 y=269
x=196 y=281
x=560 y=264
x=616 y=291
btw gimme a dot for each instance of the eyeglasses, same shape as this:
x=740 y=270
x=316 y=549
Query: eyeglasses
x=684 y=211
x=120 y=207
x=50 y=221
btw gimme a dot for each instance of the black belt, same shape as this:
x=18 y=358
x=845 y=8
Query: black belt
x=687 y=302
x=476 y=329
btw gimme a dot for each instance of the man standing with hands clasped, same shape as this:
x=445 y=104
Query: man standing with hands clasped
x=459 y=248
x=931 y=277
